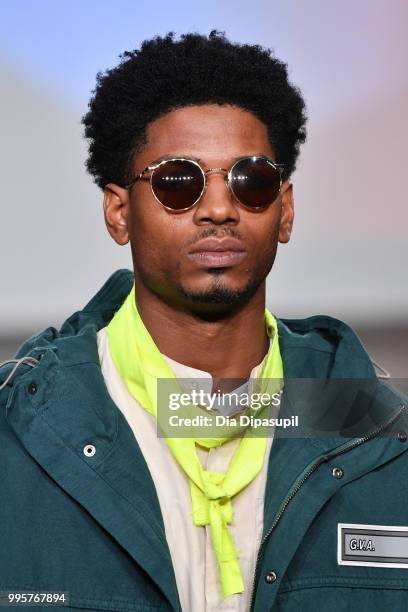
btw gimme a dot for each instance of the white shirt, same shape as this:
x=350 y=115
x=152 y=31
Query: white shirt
x=191 y=549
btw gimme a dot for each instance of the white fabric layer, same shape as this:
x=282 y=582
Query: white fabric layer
x=193 y=557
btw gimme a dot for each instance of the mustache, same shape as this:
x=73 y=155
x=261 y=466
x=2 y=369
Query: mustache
x=214 y=233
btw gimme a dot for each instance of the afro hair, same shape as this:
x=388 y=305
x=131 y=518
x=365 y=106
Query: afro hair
x=166 y=74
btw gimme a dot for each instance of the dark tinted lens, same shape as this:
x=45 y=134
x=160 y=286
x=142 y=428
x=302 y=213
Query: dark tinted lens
x=177 y=184
x=255 y=182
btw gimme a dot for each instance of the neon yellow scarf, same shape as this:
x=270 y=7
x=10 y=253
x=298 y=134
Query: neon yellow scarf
x=141 y=364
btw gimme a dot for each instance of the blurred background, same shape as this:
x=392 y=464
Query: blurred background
x=348 y=253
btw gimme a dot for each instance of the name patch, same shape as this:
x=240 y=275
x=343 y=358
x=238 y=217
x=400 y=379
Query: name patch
x=372 y=545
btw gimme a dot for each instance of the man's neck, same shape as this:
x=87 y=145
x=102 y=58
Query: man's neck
x=227 y=347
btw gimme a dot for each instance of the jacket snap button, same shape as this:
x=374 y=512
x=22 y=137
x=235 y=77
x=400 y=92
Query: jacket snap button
x=32 y=388
x=89 y=450
x=270 y=577
x=337 y=472
x=402 y=436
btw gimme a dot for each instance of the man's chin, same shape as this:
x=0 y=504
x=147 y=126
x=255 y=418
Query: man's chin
x=219 y=293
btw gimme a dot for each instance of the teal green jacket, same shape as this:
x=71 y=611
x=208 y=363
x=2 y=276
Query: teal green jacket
x=92 y=526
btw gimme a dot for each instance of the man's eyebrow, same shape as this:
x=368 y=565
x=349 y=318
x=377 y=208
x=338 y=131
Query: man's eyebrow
x=199 y=159
x=178 y=156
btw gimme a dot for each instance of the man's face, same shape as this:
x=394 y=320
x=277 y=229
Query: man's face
x=162 y=242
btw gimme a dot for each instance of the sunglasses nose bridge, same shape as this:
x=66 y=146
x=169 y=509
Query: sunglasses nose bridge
x=223 y=171
x=216 y=201
x=216 y=171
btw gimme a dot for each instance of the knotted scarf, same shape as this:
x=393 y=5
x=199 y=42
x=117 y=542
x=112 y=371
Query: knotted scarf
x=141 y=364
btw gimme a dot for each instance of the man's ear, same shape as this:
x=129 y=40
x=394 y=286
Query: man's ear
x=287 y=212
x=116 y=212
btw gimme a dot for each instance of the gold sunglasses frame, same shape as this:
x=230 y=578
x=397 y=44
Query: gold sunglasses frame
x=228 y=174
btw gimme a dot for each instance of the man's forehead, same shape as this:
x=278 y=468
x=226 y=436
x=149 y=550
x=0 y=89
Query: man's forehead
x=179 y=156
x=206 y=134
x=211 y=121
x=201 y=160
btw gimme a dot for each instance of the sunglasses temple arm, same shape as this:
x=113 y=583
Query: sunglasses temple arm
x=140 y=177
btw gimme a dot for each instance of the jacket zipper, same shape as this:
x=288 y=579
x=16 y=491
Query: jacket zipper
x=305 y=475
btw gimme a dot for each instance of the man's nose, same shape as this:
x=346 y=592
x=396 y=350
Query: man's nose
x=217 y=204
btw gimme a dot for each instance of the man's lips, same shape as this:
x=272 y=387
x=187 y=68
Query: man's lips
x=217 y=252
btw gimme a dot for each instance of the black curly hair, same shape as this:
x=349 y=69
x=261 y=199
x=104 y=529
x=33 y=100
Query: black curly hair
x=166 y=74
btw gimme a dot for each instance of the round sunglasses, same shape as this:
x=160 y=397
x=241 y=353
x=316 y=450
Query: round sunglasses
x=179 y=183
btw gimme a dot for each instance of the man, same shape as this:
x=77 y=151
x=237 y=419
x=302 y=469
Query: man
x=193 y=142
